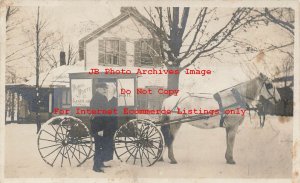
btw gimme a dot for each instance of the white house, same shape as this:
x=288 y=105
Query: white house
x=126 y=42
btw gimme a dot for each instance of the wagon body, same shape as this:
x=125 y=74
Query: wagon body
x=67 y=139
x=83 y=88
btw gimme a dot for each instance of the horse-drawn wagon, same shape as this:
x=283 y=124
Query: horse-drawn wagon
x=66 y=140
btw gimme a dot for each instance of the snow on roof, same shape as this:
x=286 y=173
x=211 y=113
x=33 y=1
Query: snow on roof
x=57 y=77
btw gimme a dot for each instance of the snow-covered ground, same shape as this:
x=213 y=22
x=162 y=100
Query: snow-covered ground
x=259 y=153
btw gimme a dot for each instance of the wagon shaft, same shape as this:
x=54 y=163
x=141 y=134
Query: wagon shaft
x=183 y=120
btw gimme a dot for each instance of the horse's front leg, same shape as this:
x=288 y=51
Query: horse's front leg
x=230 y=137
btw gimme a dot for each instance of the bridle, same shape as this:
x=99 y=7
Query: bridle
x=270 y=94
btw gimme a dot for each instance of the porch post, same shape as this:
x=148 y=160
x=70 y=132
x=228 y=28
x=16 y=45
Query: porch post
x=50 y=105
x=12 y=106
x=18 y=106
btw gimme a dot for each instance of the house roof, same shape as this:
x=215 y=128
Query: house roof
x=57 y=77
x=126 y=12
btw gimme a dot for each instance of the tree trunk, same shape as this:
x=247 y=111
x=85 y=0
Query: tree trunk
x=173 y=79
x=37 y=113
x=37 y=69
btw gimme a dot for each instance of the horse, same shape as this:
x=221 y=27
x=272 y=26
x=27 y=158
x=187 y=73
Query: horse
x=248 y=92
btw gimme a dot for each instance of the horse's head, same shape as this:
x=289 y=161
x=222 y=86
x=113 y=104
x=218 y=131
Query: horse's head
x=268 y=91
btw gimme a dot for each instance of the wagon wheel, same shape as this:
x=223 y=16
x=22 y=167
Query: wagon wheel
x=64 y=140
x=138 y=142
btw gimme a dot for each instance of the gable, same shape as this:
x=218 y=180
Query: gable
x=128 y=16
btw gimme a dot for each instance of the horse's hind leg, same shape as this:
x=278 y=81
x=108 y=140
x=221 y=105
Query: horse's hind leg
x=162 y=154
x=169 y=132
x=230 y=137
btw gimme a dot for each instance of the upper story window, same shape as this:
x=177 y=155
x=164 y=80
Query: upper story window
x=112 y=52
x=146 y=52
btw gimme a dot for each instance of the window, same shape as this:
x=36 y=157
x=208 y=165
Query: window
x=146 y=52
x=146 y=49
x=66 y=97
x=112 y=52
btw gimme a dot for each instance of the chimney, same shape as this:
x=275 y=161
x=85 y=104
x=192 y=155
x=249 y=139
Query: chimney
x=62 y=58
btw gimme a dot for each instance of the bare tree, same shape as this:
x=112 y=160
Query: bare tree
x=44 y=43
x=284 y=17
x=38 y=28
x=10 y=12
x=183 y=41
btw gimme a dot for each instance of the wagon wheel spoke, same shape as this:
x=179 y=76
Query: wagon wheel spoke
x=155 y=147
x=155 y=141
x=62 y=157
x=69 y=158
x=141 y=129
x=63 y=134
x=147 y=157
x=151 y=135
x=125 y=146
x=56 y=130
x=86 y=146
x=79 y=152
x=153 y=153
x=83 y=150
x=56 y=156
x=150 y=131
x=135 y=156
x=48 y=140
x=49 y=146
x=73 y=154
x=141 y=156
x=49 y=134
x=52 y=152
x=125 y=152
x=131 y=154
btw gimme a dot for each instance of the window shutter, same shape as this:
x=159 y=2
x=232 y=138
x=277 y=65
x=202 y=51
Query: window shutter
x=101 y=52
x=122 y=53
x=156 y=55
x=137 y=53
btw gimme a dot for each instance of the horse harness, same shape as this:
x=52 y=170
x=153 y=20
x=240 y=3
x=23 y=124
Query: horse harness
x=240 y=102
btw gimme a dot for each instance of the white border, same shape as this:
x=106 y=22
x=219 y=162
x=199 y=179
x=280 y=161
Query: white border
x=139 y=3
